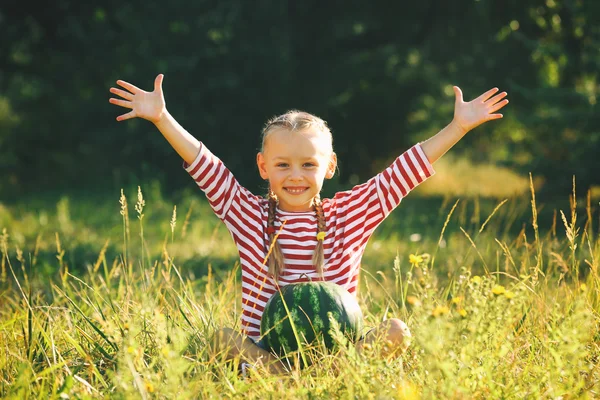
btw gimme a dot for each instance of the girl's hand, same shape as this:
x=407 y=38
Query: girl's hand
x=474 y=113
x=146 y=105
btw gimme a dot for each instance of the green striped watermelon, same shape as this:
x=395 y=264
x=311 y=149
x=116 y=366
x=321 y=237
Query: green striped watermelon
x=309 y=304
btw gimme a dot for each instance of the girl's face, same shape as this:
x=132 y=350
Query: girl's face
x=296 y=163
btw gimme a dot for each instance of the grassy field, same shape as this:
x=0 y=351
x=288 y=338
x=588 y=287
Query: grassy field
x=120 y=299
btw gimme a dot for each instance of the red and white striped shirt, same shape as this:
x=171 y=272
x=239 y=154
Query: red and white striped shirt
x=351 y=217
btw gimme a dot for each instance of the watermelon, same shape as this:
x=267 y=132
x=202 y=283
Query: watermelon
x=310 y=304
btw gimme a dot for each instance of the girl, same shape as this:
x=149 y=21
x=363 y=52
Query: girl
x=311 y=238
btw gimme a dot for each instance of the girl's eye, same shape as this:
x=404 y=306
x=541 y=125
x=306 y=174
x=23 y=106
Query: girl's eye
x=308 y=164
x=281 y=165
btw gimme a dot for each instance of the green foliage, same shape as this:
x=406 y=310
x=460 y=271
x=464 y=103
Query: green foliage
x=494 y=312
x=229 y=66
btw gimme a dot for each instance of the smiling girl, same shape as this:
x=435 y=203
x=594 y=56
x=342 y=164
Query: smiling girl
x=310 y=237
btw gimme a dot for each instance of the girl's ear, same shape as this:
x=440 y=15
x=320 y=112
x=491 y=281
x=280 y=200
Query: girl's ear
x=332 y=166
x=262 y=168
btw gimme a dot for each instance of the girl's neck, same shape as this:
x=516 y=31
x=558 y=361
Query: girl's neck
x=309 y=211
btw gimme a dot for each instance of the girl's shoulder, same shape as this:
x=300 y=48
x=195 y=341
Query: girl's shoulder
x=249 y=197
x=341 y=199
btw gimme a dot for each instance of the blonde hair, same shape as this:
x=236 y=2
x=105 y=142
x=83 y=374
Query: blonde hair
x=295 y=121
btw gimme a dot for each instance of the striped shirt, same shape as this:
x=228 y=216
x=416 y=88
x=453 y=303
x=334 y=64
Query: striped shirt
x=351 y=217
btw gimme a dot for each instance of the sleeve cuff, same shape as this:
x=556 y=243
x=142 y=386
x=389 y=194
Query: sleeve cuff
x=424 y=167
x=190 y=167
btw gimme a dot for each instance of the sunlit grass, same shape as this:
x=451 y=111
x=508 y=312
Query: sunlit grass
x=460 y=177
x=498 y=308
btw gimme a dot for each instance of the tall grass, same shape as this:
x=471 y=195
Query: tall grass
x=497 y=309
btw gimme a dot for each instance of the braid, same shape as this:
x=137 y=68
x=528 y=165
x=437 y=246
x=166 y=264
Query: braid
x=275 y=260
x=318 y=256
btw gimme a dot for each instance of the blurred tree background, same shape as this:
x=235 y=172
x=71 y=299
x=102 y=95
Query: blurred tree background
x=380 y=73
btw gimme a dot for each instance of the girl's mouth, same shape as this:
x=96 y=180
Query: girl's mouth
x=295 y=190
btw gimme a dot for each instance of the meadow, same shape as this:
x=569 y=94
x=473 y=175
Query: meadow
x=120 y=298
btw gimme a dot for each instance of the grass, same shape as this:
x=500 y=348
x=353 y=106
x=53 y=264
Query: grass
x=121 y=300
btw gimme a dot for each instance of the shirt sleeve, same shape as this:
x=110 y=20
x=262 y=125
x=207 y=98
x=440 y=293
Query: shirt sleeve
x=407 y=172
x=218 y=183
x=368 y=204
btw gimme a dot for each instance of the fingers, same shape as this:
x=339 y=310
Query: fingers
x=133 y=89
x=498 y=106
x=122 y=93
x=496 y=98
x=130 y=114
x=158 y=83
x=494 y=116
x=122 y=103
x=487 y=94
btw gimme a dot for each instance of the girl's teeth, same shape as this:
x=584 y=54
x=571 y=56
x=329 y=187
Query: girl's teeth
x=295 y=191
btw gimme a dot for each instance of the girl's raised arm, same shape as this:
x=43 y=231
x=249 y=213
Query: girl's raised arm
x=152 y=107
x=467 y=115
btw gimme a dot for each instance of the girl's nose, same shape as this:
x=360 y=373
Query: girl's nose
x=295 y=174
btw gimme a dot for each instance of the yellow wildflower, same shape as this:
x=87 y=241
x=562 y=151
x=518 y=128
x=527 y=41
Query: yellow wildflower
x=413 y=301
x=440 y=310
x=457 y=300
x=476 y=279
x=462 y=312
x=415 y=260
x=149 y=387
x=583 y=287
x=509 y=295
x=498 y=290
